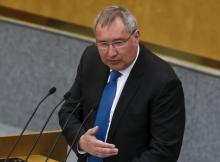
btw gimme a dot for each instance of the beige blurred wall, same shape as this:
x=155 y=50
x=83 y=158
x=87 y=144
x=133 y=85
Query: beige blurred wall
x=192 y=26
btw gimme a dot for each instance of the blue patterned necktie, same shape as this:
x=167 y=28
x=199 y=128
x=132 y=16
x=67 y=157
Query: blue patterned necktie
x=102 y=117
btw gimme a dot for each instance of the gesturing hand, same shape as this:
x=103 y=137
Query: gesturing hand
x=89 y=143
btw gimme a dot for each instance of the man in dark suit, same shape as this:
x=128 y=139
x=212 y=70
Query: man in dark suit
x=146 y=119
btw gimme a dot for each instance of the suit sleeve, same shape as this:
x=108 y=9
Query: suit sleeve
x=167 y=122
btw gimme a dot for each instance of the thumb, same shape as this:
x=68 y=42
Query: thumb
x=93 y=130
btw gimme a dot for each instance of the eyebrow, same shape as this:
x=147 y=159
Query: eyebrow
x=114 y=40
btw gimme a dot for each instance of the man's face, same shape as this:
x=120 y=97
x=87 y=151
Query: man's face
x=122 y=52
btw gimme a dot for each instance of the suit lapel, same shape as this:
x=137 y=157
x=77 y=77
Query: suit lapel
x=130 y=89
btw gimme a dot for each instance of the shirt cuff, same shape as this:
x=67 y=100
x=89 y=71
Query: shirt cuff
x=80 y=151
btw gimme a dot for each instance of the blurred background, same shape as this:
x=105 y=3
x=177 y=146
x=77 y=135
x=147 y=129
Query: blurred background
x=41 y=43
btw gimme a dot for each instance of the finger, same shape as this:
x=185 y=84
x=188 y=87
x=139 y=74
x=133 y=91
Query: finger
x=106 y=152
x=101 y=144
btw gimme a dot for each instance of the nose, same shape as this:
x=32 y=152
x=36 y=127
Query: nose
x=111 y=50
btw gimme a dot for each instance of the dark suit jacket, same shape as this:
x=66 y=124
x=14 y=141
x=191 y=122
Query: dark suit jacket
x=148 y=122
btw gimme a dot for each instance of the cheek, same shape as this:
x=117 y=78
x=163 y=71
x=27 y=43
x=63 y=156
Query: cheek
x=128 y=60
x=128 y=56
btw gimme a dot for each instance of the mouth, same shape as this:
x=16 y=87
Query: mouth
x=114 y=62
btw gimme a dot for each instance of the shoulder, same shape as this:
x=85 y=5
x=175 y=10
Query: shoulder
x=153 y=62
x=155 y=69
x=90 y=53
x=90 y=60
x=90 y=56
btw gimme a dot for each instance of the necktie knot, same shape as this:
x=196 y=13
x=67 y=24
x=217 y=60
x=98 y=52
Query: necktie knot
x=114 y=75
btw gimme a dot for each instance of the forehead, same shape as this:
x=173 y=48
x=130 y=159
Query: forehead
x=114 y=30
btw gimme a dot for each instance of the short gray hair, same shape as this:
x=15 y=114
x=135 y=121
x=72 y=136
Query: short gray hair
x=109 y=14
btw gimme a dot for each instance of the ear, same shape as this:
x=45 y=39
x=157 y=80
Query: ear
x=137 y=35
